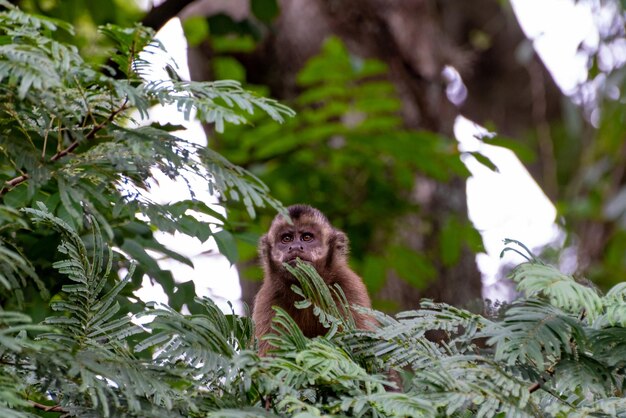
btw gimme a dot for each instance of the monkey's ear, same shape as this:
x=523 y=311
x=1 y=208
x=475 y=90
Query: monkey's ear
x=342 y=244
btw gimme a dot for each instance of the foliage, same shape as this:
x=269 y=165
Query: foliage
x=69 y=137
x=538 y=356
x=87 y=17
x=70 y=152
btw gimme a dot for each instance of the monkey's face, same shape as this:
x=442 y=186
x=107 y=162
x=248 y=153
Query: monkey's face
x=302 y=240
x=310 y=237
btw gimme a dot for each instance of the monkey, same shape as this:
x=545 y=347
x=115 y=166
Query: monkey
x=312 y=239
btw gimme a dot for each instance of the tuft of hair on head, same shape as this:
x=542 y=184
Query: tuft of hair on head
x=298 y=211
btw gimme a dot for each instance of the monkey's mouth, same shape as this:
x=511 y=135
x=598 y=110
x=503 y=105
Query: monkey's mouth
x=294 y=260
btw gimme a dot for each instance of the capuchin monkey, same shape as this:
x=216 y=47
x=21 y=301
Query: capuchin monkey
x=312 y=239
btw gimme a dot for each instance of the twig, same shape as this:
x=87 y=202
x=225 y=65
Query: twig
x=91 y=133
x=10 y=184
x=536 y=386
x=47 y=408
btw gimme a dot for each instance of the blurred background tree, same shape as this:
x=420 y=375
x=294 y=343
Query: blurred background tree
x=378 y=86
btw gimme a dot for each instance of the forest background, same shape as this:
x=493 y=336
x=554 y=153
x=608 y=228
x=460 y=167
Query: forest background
x=372 y=129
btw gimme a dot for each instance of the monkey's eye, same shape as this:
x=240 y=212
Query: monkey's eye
x=285 y=238
x=307 y=236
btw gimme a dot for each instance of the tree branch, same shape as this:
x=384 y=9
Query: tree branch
x=89 y=135
x=538 y=385
x=158 y=16
x=10 y=184
x=48 y=408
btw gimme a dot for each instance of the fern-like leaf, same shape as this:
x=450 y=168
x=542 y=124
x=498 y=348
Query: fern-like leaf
x=536 y=279
x=535 y=332
x=216 y=102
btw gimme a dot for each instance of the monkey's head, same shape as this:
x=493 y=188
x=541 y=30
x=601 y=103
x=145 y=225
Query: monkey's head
x=310 y=237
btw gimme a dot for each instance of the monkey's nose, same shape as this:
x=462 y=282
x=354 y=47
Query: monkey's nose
x=296 y=248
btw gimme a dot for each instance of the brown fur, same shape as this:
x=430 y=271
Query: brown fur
x=327 y=251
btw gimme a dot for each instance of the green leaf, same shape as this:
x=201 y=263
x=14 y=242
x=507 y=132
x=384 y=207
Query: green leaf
x=484 y=161
x=451 y=241
x=535 y=333
x=17 y=197
x=264 y=10
x=227 y=245
x=561 y=290
x=229 y=68
x=183 y=294
x=374 y=273
x=412 y=267
x=521 y=150
x=137 y=251
x=196 y=29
